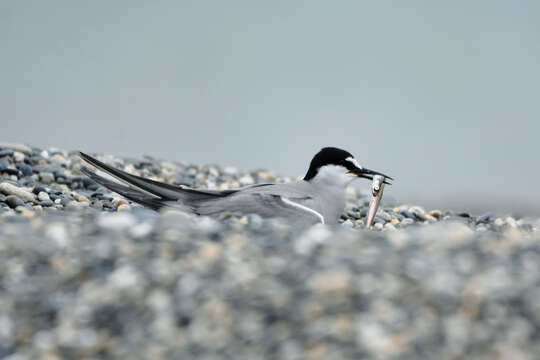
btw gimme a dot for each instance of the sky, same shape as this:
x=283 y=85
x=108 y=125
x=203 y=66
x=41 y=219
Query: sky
x=443 y=96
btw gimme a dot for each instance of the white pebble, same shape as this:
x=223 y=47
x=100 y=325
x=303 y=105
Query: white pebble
x=309 y=239
x=246 y=180
x=11 y=189
x=407 y=221
x=58 y=233
x=116 y=221
x=18 y=156
x=511 y=222
x=16 y=147
x=42 y=196
x=390 y=227
x=141 y=230
x=124 y=277
x=348 y=223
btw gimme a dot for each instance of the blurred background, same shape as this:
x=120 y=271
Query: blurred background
x=444 y=96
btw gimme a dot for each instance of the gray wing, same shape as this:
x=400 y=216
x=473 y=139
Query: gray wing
x=290 y=201
x=285 y=201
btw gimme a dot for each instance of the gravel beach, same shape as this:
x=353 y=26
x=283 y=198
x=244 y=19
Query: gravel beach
x=85 y=274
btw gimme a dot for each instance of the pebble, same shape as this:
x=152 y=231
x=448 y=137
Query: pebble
x=26 y=170
x=246 y=180
x=13 y=201
x=10 y=189
x=123 y=207
x=116 y=221
x=418 y=212
x=42 y=196
x=384 y=215
x=76 y=205
x=16 y=147
x=46 y=203
x=407 y=221
x=484 y=219
x=47 y=177
x=6 y=152
x=81 y=198
x=510 y=221
x=18 y=156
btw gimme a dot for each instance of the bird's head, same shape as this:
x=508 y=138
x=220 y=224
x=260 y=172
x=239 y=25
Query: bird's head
x=337 y=167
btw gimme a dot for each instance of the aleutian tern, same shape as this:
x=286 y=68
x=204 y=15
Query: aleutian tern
x=318 y=197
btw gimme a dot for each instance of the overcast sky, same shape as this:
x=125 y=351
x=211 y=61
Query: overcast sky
x=435 y=93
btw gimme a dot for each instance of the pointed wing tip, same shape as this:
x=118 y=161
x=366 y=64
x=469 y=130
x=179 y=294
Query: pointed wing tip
x=83 y=155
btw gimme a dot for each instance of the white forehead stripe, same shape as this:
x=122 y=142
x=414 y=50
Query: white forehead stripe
x=355 y=163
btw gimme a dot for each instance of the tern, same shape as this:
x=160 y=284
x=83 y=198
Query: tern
x=318 y=198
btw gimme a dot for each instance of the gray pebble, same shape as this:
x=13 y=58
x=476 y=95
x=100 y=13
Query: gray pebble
x=46 y=177
x=46 y=203
x=14 y=201
x=26 y=170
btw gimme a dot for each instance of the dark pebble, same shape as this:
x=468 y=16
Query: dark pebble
x=25 y=169
x=3 y=165
x=13 y=201
x=408 y=214
x=463 y=215
x=6 y=152
x=58 y=173
x=10 y=171
x=420 y=216
x=64 y=180
x=34 y=160
x=46 y=203
x=484 y=219
x=39 y=189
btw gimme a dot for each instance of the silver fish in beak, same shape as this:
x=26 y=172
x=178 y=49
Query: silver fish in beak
x=377 y=189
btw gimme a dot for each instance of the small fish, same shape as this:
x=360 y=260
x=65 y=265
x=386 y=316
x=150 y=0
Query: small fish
x=377 y=189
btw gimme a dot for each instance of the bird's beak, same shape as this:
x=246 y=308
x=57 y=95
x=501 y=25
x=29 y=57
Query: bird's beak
x=368 y=174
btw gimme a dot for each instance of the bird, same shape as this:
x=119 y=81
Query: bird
x=319 y=197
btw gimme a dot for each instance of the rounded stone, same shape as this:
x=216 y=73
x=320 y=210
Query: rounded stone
x=14 y=201
x=42 y=196
x=18 y=156
x=26 y=170
x=46 y=177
